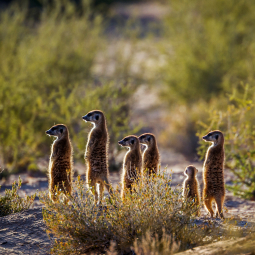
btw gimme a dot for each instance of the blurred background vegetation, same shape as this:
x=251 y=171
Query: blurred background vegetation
x=61 y=59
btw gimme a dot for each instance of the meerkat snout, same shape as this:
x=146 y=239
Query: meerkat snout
x=92 y=116
x=127 y=142
x=57 y=130
x=214 y=136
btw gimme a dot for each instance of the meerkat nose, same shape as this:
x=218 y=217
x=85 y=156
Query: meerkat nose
x=85 y=117
x=205 y=137
x=47 y=132
x=120 y=142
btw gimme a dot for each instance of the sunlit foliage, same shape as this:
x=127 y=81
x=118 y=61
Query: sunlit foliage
x=47 y=77
x=237 y=124
x=82 y=227
x=11 y=202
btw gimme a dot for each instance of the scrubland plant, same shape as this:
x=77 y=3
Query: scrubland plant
x=11 y=202
x=237 y=122
x=153 y=211
x=207 y=48
x=47 y=77
x=210 y=48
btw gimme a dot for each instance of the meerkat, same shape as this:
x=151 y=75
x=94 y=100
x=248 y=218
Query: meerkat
x=150 y=157
x=213 y=173
x=60 y=170
x=132 y=163
x=96 y=155
x=191 y=185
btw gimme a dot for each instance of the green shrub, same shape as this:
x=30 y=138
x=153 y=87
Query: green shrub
x=47 y=77
x=81 y=227
x=210 y=48
x=11 y=202
x=237 y=124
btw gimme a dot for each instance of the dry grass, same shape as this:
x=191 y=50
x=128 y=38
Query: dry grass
x=154 y=213
x=11 y=202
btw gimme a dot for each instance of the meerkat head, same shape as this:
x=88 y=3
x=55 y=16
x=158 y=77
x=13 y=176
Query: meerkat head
x=95 y=117
x=216 y=137
x=190 y=171
x=129 y=141
x=59 y=131
x=147 y=139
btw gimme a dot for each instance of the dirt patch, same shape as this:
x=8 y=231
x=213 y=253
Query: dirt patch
x=24 y=233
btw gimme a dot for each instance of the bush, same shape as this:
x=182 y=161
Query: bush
x=47 y=77
x=210 y=48
x=237 y=124
x=11 y=202
x=80 y=227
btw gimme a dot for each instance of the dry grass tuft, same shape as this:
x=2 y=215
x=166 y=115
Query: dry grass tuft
x=154 y=213
x=11 y=202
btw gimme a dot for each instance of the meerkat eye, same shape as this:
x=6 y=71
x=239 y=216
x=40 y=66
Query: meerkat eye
x=97 y=117
x=61 y=130
x=132 y=141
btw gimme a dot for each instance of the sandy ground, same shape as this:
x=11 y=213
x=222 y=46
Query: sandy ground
x=24 y=233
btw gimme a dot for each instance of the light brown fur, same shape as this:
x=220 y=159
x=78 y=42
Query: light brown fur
x=213 y=173
x=151 y=157
x=60 y=170
x=191 y=185
x=96 y=155
x=132 y=163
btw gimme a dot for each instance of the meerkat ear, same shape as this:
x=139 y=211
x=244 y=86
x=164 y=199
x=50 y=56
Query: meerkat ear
x=97 y=117
x=61 y=130
x=149 y=139
x=216 y=137
x=132 y=141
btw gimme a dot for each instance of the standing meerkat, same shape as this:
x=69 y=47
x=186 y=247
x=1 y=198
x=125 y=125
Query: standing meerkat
x=151 y=157
x=213 y=173
x=61 y=161
x=191 y=185
x=132 y=163
x=96 y=155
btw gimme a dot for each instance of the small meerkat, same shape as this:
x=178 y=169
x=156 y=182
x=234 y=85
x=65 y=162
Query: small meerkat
x=191 y=185
x=132 y=163
x=213 y=173
x=151 y=157
x=60 y=170
x=96 y=155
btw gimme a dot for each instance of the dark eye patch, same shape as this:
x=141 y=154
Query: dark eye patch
x=125 y=140
x=54 y=128
x=89 y=114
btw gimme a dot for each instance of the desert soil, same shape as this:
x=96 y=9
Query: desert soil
x=25 y=232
